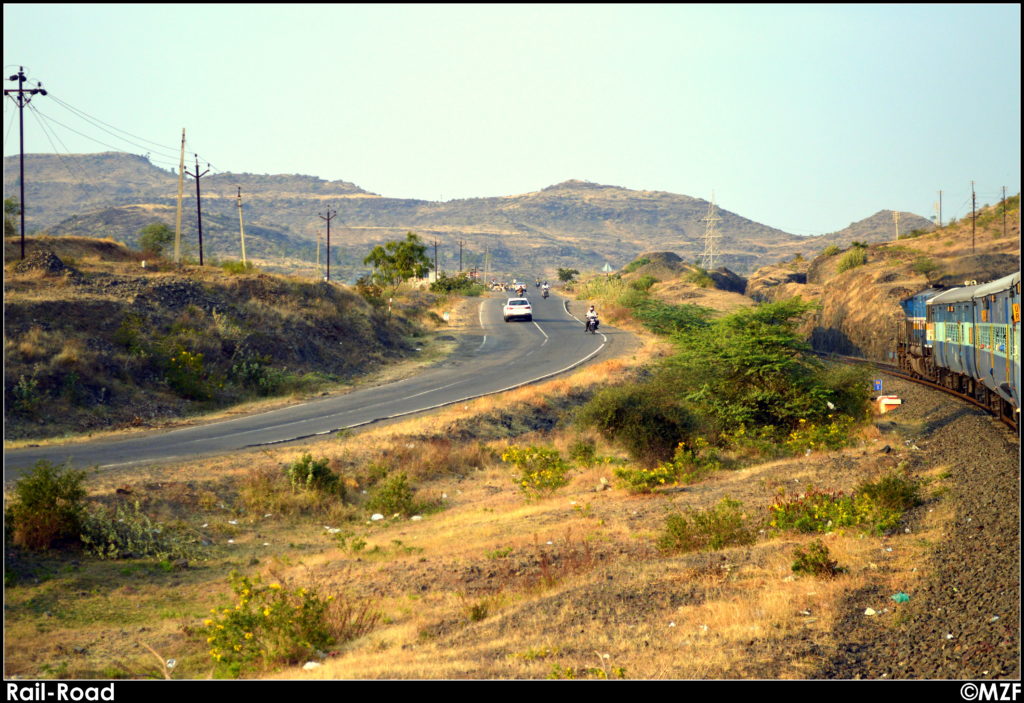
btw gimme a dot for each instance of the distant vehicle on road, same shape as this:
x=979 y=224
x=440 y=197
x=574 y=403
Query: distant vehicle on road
x=518 y=309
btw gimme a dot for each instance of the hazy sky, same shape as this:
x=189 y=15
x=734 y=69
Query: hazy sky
x=801 y=117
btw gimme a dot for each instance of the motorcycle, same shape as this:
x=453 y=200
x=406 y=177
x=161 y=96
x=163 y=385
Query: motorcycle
x=592 y=325
x=544 y=293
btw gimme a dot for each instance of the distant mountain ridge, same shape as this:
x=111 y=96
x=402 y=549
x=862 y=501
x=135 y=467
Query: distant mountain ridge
x=577 y=224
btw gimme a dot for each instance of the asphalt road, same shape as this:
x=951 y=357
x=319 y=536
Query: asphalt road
x=495 y=357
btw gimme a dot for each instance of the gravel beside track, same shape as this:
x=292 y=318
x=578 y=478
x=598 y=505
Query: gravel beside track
x=963 y=620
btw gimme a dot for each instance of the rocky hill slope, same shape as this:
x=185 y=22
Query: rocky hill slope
x=572 y=224
x=95 y=341
x=859 y=289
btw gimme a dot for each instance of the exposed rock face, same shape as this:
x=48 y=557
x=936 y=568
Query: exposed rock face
x=778 y=281
x=46 y=261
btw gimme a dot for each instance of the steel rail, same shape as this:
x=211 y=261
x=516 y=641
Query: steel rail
x=891 y=370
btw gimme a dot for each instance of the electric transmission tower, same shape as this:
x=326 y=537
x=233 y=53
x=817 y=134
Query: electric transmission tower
x=711 y=237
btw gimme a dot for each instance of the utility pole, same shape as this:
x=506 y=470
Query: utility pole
x=330 y=215
x=940 y=208
x=241 y=229
x=896 y=220
x=435 y=260
x=181 y=185
x=318 y=255
x=460 y=255
x=199 y=204
x=1004 y=211
x=24 y=97
x=974 y=218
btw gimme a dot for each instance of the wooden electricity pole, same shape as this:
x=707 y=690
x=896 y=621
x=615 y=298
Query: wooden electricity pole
x=24 y=97
x=181 y=186
x=241 y=229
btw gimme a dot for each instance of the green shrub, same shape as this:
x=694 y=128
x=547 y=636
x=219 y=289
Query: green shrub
x=724 y=525
x=913 y=234
x=752 y=367
x=584 y=452
x=688 y=465
x=26 y=394
x=816 y=561
x=665 y=318
x=47 y=507
x=392 y=496
x=874 y=507
x=126 y=532
x=461 y=284
x=255 y=374
x=272 y=625
x=541 y=470
x=701 y=278
x=238 y=267
x=643 y=283
x=830 y=250
x=857 y=256
x=154 y=238
x=308 y=475
x=924 y=266
x=647 y=419
x=641 y=480
x=893 y=492
x=635 y=264
x=185 y=374
x=818 y=436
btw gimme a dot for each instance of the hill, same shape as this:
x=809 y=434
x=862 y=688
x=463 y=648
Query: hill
x=94 y=341
x=859 y=293
x=571 y=224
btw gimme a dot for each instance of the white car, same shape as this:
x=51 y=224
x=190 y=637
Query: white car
x=518 y=309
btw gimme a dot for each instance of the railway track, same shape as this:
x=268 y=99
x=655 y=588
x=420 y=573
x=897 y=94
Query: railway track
x=1009 y=419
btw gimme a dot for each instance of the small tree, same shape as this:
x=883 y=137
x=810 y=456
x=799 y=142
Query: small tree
x=397 y=261
x=154 y=238
x=925 y=266
x=11 y=210
x=48 y=506
x=566 y=275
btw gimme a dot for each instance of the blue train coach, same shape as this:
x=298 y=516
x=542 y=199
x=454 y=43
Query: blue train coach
x=972 y=341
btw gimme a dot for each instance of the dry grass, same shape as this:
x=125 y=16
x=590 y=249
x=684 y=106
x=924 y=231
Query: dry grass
x=494 y=586
x=491 y=586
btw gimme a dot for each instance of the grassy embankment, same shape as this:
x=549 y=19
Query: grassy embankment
x=593 y=568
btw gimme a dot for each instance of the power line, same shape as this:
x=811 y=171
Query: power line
x=87 y=116
x=111 y=146
x=46 y=132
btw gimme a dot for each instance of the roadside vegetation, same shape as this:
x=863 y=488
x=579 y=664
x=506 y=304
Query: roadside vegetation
x=557 y=531
x=107 y=338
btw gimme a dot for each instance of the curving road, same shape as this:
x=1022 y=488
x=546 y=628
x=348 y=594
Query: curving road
x=495 y=357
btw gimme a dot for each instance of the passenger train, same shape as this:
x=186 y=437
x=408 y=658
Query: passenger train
x=966 y=339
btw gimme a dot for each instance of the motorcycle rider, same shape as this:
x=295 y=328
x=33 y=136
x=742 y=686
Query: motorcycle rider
x=592 y=319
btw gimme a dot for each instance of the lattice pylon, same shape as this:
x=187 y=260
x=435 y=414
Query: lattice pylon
x=711 y=237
